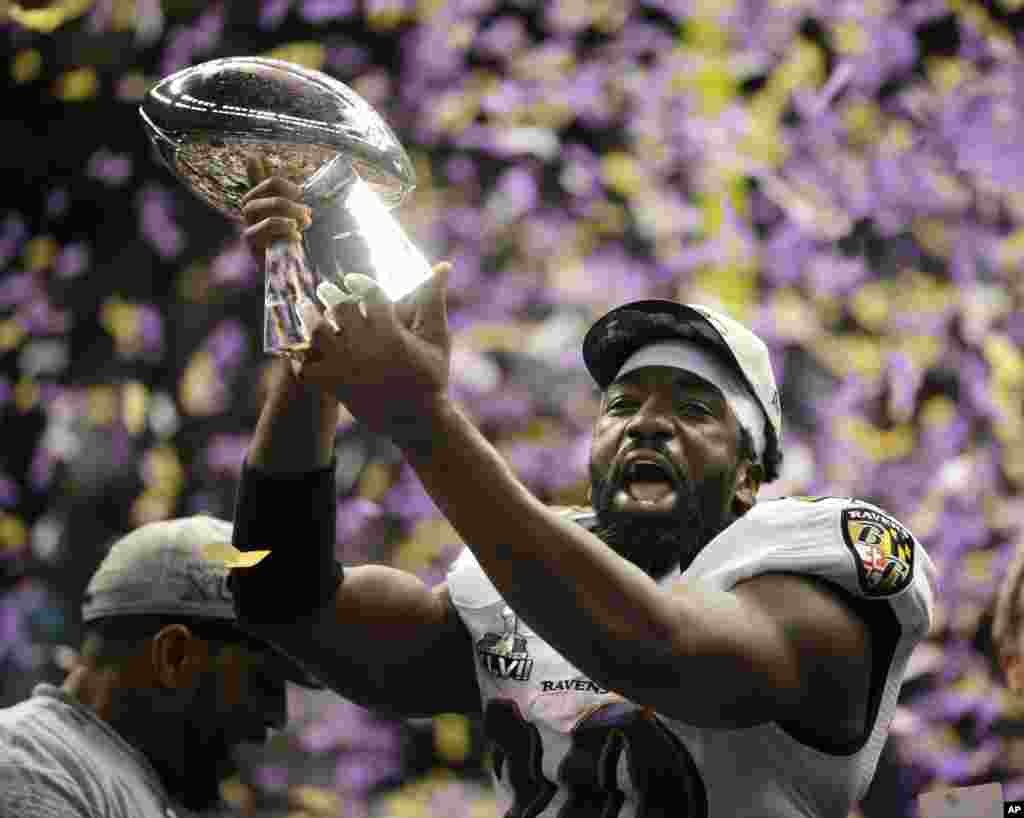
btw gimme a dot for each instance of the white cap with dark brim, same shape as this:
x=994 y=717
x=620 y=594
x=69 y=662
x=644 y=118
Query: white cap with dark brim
x=690 y=357
x=694 y=324
x=159 y=570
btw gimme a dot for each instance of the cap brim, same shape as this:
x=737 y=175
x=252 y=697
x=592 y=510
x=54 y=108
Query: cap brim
x=604 y=360
x=291 y=669
x=229 y=628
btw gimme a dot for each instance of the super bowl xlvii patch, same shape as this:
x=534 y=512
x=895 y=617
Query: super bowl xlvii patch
x=506 y=655
x=883 y=550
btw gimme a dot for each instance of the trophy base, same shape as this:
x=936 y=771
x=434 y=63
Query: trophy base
x=293 y=353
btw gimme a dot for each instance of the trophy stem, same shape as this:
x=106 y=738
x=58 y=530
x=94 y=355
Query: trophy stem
x=288 y=283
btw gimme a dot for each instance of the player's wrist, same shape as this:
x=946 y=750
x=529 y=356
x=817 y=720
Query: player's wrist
x=421 y=428
x=297 y=427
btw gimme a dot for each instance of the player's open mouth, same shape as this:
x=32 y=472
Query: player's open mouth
x=646 y=486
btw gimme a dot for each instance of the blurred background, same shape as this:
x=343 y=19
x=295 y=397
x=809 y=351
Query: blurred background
x=845 y=177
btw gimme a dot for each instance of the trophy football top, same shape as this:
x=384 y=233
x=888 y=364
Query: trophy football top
x=205 y=120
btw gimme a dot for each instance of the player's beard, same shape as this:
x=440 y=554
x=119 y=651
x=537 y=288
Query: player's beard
x=209 y=757
x=176 y=736
x=659 y=543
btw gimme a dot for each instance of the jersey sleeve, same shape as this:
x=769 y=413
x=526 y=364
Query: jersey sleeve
x=848 y=542
x=468 y=585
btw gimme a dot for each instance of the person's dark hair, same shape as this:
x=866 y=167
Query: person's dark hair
x=110 y=640
x=632 y=328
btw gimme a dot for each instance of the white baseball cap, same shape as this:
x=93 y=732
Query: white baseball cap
x=611 y=342
x=159 y=569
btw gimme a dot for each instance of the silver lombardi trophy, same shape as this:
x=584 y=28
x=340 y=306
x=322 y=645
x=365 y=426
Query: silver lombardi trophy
x=315 y=131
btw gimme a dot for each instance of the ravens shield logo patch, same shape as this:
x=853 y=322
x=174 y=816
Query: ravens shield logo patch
x=883 y=550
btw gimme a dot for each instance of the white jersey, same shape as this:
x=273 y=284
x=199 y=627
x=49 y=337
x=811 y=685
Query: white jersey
x=566 y=747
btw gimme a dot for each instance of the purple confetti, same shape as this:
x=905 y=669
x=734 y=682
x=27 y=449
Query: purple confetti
x=321 y=11
x=157 y=223
x=113 y=169
x=73 y=260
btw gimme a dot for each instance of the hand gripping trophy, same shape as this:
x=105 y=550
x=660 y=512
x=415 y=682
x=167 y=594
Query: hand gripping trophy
x=313 y=130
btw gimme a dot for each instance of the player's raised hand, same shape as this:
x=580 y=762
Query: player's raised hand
x=272 y=208
x=388 y=366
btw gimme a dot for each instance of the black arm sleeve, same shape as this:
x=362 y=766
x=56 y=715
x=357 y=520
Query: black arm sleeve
x=294 y=517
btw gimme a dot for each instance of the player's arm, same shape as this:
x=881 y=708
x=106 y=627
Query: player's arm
x=778 y=647
x=704 y=656
x=387 y=642
x=375 y=634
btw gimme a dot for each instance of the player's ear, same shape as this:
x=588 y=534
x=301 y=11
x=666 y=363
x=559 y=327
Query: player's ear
x=749 y=476
x=177 y=657
x=1013 y=669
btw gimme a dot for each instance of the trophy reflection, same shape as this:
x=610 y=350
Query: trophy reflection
x=313 y=130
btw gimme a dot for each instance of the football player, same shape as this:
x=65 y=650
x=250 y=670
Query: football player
x=677 y=648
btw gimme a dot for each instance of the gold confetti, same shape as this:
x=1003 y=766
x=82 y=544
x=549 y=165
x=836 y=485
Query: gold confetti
x=425 y=9
x=26 y=395
x=493 y=336
x=608 y=16
x=151 y=507
x=870 y=305
x=385 y=18
x=703 y=32
x=53 y=16
x=12 y=333
x=621 y=173
x=978 y=565
x=934 y=235
x=1005 y=359
x=424 y=545
x=78 y=84
x=197 y=389
x=375 y=481
x=461 y=35
x=101 y=405
x=134 y=403
x=123 y=321
x=923 y=350
x=317 y=800
x=456 y=111
x=237 y=794
x=732 y=284
x=162 y=470
x=946 y=74
x=452 y=737
x=228 y=555
x=938 y=412
x=763 y=141
x=308 y=54
x=13 y=532
x=1011 y=250
x=851 y=38
x=40 y=253
x=26 y=65
x=861 y=119
x=123 y=15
